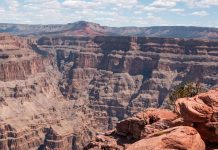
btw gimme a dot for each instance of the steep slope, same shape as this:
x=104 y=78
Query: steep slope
x=119 y=76
x=83 y=28
x=33 y=112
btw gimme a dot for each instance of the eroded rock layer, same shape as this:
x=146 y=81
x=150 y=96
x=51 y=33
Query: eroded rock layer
x=33 y=112
x=56 y=93
x=119 y=76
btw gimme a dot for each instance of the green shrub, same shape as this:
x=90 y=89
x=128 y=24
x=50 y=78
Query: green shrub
x=188 y=89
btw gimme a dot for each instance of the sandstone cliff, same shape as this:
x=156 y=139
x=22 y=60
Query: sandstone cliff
x=56 y=93
x=33 y=112
x=119 y=76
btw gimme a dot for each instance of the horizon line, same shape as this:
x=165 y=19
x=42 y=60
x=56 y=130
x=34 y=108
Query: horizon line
x=32 y=24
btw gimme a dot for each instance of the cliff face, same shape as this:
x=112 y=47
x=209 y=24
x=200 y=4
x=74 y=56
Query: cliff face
x=17 y=59
x=119 y=76
x=34 y=114
x=56 y=93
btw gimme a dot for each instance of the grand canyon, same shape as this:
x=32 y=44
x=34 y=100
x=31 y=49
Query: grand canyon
x=87 y=86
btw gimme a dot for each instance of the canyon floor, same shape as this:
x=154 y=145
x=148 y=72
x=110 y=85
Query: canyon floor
x=61 y=92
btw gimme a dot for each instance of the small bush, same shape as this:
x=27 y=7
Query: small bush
x=189 y=89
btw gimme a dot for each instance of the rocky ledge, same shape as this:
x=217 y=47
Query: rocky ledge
x=17 y=59
x=193 y=125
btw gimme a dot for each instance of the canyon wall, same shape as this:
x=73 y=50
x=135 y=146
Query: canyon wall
x=119 y=76
x=33 y=112
x=56 y=93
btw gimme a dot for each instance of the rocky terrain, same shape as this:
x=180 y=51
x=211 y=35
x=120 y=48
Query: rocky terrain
x=120 y=76
x=34 y=114
x=193 y=125
x=83 y=28
x=58 y=92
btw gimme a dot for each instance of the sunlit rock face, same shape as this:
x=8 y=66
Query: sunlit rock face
x=202 y=110
x=56 y=93
x=119 y=76
x=34 y=114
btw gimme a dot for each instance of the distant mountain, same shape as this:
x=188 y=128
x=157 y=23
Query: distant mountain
x=83 y=28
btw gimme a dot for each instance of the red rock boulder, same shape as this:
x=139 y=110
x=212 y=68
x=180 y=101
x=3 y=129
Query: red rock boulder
x=147 y=122
x=181 y=137
x=202 y=111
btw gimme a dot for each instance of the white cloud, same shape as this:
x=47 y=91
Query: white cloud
x=190 y=3
x=12 y=4
x=117 y=2
x=177 y=10
x=79 y=4
x=99 y=4
x=42 y=4
x=164 y=3
x=2 y=10
x=155 y=20
x=200 y=13
x=153 y=9
x=138 y=12
x=201 y=3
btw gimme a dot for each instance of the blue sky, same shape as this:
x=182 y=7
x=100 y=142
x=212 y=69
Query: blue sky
x=111 y=12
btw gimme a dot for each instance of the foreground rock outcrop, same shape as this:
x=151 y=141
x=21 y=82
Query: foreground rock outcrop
x=145 y=123
x=181 y=137
x=202 y=111
x=194 y=125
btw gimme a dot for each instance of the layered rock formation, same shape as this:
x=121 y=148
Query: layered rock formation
x=34 y=114
x=163 y=129
x=17 y=59
x=119 y=76
x=56 y=93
